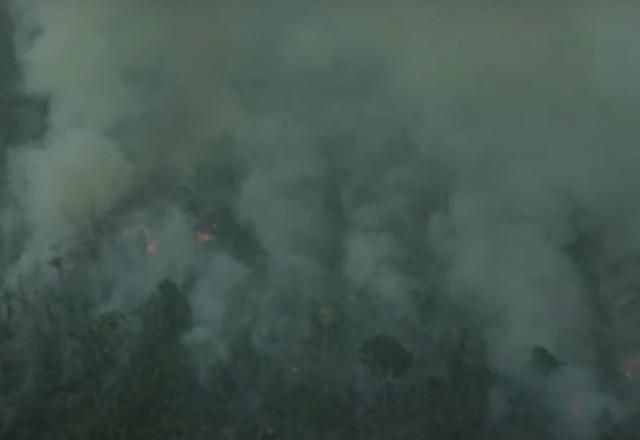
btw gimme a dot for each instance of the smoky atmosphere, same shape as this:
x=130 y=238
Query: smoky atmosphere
x=336 y=220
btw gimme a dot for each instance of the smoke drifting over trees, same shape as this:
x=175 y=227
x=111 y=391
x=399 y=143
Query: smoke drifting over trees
x=455 y=179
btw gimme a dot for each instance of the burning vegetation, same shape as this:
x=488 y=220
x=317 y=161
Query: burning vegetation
x=201 y=236
x=362 y=220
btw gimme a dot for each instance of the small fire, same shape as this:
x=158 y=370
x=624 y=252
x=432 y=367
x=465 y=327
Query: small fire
x=205 y=236
x=202 y=236
x=150 y=246
x=631 y=368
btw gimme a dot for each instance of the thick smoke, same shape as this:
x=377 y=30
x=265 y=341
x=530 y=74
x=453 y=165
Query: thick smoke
x=367 y=153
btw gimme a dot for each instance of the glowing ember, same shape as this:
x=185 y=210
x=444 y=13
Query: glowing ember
x=150 y=246
x=631 y=368
x=205 y=236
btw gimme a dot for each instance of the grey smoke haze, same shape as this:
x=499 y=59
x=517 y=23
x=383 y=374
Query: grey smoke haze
x=374 y=148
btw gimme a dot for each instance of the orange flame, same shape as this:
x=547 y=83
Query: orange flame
x=205 y=236
x=150 y=246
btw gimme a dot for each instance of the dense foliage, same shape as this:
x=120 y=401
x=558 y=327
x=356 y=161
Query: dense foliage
x=128 y=376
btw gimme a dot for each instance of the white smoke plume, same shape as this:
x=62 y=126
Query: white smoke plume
x=374 y=145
